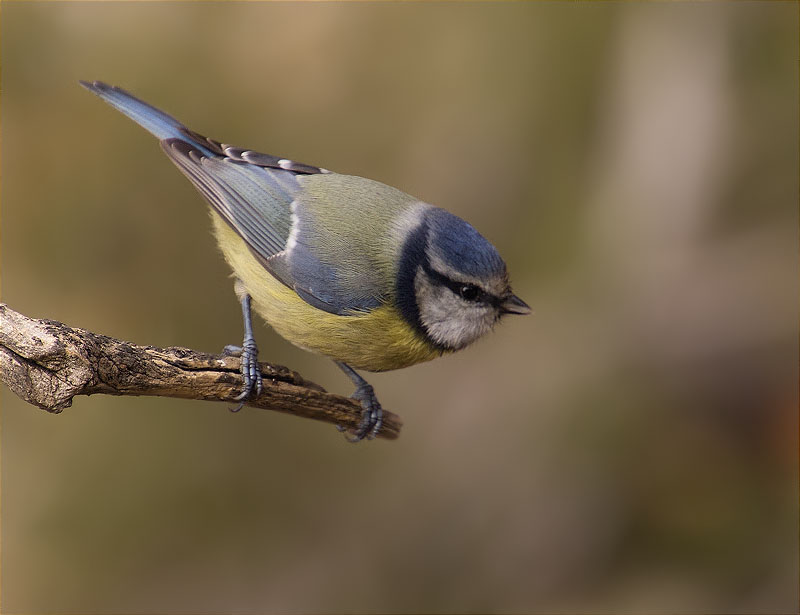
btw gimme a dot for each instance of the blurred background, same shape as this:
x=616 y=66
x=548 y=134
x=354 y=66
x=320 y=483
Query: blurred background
x=631 y=447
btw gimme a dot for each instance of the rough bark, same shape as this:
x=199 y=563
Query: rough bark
x=47 y=364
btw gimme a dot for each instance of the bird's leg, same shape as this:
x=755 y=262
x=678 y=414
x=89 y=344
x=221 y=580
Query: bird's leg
x=372 y=415
x=248 y=351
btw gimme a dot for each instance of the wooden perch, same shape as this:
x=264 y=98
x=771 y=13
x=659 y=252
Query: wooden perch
x=47 y=363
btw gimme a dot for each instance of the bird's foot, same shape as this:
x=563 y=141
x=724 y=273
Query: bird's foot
x=371 y=416
x=251 y=373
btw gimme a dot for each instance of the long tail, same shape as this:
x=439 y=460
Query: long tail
x=155 y=121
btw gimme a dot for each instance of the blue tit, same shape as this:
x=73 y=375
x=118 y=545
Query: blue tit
x=338 y=265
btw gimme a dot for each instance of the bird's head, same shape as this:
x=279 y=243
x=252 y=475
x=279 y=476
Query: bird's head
x=452 y=283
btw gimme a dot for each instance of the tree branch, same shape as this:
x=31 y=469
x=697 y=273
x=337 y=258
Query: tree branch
x=47 y=363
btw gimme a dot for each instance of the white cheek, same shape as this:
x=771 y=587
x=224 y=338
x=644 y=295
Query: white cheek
x=449 y=320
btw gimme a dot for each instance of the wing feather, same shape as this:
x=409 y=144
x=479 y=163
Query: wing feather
x=246 y=197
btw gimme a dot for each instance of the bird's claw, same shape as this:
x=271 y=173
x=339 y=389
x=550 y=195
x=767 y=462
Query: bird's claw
x=251 y=373
x=371 y=416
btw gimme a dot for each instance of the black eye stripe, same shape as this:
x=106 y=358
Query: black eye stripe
x=474 y=294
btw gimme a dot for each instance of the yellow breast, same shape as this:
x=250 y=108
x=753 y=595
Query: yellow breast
x=378 y=340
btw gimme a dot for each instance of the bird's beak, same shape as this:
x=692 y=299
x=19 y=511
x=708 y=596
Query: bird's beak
x=514 y=305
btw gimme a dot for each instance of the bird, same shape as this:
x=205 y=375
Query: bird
x=338 y=265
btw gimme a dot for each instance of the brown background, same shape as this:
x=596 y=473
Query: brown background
x=629 y=447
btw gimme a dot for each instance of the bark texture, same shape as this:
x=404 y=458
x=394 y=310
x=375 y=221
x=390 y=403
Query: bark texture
x=47 y=364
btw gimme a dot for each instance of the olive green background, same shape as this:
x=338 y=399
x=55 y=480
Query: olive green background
x=630 y=447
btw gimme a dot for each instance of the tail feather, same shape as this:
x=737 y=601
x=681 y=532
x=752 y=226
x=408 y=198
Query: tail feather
x=155 y=121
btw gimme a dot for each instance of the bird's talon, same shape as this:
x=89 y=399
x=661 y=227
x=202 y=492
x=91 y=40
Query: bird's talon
x=377 y=427
x=371 y=417
x=251 y=373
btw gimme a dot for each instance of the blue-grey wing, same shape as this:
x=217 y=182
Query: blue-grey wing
x=263 y=205
x=327 y=270
x=253 y=200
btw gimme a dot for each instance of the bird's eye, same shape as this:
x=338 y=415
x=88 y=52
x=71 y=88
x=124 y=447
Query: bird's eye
x=470 y=292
